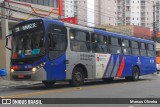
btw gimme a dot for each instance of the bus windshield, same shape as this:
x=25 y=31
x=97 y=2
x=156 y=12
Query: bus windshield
x=28 y=43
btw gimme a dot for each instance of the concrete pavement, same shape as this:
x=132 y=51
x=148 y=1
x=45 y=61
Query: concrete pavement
x=5 y=83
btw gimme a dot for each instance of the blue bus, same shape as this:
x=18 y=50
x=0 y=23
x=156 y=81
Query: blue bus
x=50 y=50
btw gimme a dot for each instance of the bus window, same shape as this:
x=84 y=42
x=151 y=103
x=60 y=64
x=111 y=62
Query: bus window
x=135 y=48
x=143 y=49
x=126 y=47
x=80 y=41
x=99 y=43
x=57 y=41
x=150 y=50
x=115 y=45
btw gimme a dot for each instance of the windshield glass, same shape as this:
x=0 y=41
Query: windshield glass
x=28 y=43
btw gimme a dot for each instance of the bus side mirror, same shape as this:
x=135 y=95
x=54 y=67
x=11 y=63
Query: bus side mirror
x=9 y=42
x=3 y=72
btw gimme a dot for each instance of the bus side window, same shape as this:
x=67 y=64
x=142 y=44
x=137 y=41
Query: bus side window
x=126 y=47
x=80 y=40
x=143 y=50
x=135 y=48
x=57 y=41
x=151 y=50
x=115 y=45
x=99 y=43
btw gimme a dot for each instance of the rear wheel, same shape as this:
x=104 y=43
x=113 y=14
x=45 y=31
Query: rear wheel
x=135 y=74
x=77 y=77
x=48 y=84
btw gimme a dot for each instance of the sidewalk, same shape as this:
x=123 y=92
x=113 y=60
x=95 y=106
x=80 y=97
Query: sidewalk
x=4 y=83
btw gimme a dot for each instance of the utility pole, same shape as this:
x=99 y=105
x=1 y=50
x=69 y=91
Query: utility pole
x=4 y=22
x=154 y=23
x=99 y=14
x=5 y=54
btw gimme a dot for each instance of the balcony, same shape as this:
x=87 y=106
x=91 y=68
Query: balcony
x=119 y=4
x=119 y=21
x=128 y=21
x=128 y=14
x=143 y=4
x=128 y=4
x=119 y=10
x=142 y=10
x=142 y=21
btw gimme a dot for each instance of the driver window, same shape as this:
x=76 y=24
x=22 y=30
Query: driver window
x=57 y=41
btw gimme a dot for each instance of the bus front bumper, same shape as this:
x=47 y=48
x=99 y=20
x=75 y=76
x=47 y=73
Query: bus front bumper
x=38 y=75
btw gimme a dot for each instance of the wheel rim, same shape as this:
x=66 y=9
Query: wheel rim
x=78 y=77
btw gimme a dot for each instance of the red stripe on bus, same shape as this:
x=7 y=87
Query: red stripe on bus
x=121 y=68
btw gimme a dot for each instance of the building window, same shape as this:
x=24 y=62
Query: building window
x=51 y=3
x=40 y=2
x=34 y=1
x=46 y=2
x=29 y=1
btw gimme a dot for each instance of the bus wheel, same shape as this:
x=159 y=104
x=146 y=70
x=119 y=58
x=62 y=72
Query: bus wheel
x=77 y=77
x=48 y=84
x=135 y=74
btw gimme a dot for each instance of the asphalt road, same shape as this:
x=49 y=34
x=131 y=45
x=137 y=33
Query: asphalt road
x=147 y=87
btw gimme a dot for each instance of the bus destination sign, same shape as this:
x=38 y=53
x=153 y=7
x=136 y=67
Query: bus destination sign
x=25 y=27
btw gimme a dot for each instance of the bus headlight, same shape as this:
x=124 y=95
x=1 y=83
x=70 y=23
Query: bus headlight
x=34 y=69
x=12 y=70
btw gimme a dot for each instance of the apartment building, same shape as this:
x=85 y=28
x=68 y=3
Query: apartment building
x=105 y=12
x=68 y=8
x=139 y=12
x=124 y=12
x=76 y=8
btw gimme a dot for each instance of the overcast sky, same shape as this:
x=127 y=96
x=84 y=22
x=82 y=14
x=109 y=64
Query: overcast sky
x=90 y=13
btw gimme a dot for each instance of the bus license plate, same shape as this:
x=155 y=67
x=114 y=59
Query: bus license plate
x=20 y=76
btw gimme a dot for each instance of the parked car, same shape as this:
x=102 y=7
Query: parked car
x=3 y=72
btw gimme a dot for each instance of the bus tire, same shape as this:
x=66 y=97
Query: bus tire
x=135 y=74
x=48 y=84
x=77 y=77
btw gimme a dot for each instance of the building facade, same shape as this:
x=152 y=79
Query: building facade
x=125 y=12
x=157 y=11
x=105 y=12
x=76 y=8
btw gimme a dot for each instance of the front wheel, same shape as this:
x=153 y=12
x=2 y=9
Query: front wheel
x=48 y=84
x=77 y=77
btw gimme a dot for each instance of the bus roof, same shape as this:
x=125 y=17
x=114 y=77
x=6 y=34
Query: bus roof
x=103 y=32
